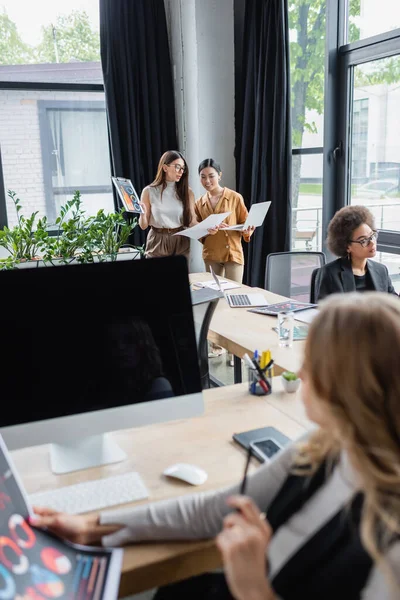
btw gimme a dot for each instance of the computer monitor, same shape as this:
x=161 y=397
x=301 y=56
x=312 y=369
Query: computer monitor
x=89 y=349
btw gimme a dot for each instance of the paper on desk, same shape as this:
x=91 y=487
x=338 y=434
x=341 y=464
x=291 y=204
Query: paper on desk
x=306 y=316
x=225 y=285
x=201 y=229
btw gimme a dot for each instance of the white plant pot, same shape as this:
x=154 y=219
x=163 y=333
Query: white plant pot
x=290 y=386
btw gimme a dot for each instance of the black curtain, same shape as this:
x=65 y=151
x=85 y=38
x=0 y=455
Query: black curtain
x=263 y=126
x=139 y=89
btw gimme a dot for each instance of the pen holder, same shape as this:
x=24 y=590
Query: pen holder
x=254 y=386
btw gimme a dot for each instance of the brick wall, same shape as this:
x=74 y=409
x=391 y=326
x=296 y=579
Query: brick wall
x=20 y=145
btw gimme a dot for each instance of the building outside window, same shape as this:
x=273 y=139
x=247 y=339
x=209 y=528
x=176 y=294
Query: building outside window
x=53 y=125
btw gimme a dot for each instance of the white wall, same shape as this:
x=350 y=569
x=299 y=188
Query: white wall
x=201 y=36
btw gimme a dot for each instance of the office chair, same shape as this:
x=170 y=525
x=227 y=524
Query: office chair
x=289 y=273
x=202 y=315
x=313 y=286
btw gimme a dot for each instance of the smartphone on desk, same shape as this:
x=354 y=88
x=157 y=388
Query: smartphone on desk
x=265 y=448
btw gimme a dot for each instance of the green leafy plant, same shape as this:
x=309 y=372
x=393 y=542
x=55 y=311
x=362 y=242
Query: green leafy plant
x=73 y=236
x=290 y=375
x=25 y=240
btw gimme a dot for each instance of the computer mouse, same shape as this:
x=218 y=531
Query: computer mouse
x=185 y=472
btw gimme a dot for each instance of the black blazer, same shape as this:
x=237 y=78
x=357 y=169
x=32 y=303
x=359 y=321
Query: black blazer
x=337 y=277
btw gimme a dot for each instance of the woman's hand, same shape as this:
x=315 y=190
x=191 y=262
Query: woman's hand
x=75 y=528
x=243 y=543
x=248 y=231
x=80 y=529
x=213 y=230
x=223 y=225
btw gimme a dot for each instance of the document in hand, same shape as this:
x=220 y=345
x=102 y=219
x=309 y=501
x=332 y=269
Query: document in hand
x=201 y=229
x=37 y=564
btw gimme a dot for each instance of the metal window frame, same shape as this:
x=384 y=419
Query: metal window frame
x=350 y=55
x=65 y=106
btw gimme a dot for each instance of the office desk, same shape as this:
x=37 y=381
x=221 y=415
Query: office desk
x=205 y=441
x=241 y=332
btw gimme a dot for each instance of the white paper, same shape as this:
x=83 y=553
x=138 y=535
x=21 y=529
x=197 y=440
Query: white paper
x=306 y=316
x=225 y=285
x=201 y=229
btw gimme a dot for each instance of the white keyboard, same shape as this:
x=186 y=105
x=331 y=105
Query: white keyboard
x=93 y=495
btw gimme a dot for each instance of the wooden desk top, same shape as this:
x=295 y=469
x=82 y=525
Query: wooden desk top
x=240 y=331
x=205 y=441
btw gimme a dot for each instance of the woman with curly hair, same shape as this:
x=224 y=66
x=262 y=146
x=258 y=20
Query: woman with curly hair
x=352 y=236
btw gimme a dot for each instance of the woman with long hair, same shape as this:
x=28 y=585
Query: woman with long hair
x=322 y=519
x=352 y=237
x=168 y=207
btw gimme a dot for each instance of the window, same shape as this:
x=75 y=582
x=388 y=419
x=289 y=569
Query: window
x=53 y=126
x=75 y=155
x=307 y=23
x=58 y=36
x=367 y=18
x=375 y=140
x=307 y=215
x=367 y=84
x=50 y=148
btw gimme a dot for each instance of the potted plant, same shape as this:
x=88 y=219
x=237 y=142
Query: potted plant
x=72 y=238
x=290 y=381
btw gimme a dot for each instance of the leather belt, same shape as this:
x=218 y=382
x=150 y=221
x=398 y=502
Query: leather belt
x=166 y=230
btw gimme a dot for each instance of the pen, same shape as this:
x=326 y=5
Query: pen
x=252 y=364
x=244 y=480
x=269 y=365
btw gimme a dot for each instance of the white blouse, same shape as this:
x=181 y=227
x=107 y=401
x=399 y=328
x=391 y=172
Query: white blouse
x=166 y=207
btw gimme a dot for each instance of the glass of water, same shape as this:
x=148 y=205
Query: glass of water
x=285 y=329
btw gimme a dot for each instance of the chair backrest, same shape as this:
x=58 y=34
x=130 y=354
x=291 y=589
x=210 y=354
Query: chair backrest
x=202 y=315
x=289 y=273
x=313 y=287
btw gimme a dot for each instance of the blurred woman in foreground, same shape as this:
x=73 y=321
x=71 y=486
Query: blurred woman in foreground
x=322 y=519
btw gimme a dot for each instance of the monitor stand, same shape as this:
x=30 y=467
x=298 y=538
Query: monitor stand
x=93 y=451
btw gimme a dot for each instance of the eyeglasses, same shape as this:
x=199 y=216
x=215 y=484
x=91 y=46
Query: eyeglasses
x=178 y=168
x=366 y=241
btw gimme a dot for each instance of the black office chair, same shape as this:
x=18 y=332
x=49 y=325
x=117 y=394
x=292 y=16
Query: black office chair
x=313 y=287
x=202 y=315
x=289 y=273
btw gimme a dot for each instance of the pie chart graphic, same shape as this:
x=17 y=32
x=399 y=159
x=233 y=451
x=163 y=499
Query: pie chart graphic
x=55 y=561
x=47 y=583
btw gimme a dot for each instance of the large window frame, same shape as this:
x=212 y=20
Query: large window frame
x=348 y=57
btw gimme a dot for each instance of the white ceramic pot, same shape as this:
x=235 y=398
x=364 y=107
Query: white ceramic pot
x=290 y=386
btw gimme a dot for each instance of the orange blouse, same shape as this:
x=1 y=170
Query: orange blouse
x=224 y=246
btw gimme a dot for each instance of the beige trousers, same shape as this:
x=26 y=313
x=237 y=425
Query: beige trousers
x=230 y=270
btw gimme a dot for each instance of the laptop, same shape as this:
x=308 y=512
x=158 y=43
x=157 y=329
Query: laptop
x=240 y=300
x=255 y=218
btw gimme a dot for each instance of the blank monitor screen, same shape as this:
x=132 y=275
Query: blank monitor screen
x=84 y=338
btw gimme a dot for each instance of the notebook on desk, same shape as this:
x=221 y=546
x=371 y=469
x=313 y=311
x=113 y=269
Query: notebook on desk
x=240 y=300
x=286 y=306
